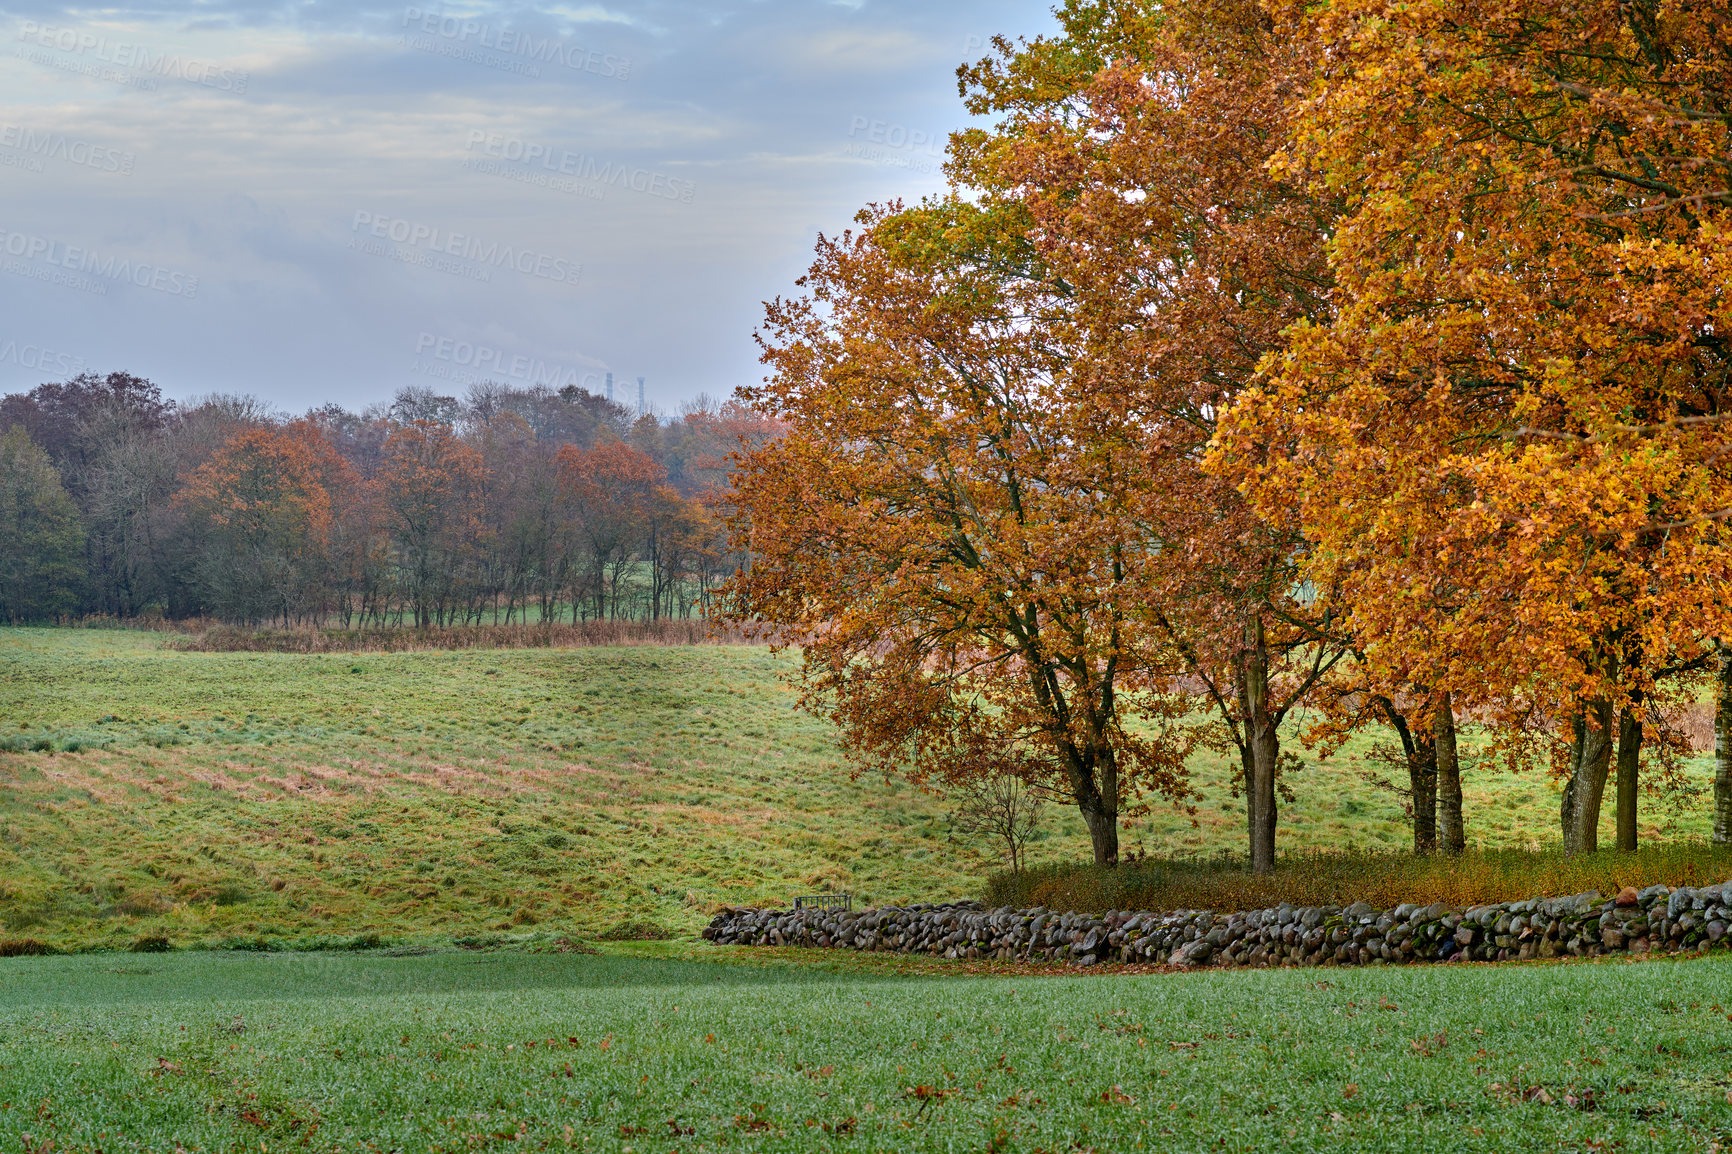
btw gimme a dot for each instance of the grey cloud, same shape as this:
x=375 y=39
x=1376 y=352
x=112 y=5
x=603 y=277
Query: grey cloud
x=689 y=191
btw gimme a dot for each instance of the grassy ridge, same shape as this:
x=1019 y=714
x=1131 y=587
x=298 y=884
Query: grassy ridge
x=206 y=796
x=507 y=1051
x=283 y=795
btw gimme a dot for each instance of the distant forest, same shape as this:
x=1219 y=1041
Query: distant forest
x=509 y=505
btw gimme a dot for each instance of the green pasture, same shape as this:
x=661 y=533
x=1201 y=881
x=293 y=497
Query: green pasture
x=508 y=1051
x=249 y=798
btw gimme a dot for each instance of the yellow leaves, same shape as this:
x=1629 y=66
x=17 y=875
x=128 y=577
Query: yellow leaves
x=1458 y=435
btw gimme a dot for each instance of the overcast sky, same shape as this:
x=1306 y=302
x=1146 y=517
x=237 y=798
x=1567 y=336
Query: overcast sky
x=316 y=201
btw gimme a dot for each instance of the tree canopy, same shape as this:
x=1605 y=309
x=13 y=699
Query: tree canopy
x=1273 y=355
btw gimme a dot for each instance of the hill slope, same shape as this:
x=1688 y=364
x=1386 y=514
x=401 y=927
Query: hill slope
x=200 y=795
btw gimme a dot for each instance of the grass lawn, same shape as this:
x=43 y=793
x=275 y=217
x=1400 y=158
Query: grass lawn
x=462 y=1051
x=232 y=796
x=212 y=794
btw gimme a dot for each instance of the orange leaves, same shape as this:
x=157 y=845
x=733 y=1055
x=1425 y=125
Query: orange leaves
x=931 y=528
x=1507 y=448
x=269 y=482
x=610 y=465
x=429 y=488
x=613 y=487
x=428 y=475
x=1427 y=1047
x=268 y=512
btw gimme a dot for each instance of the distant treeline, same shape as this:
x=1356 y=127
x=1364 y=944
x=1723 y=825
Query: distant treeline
x=508 y=505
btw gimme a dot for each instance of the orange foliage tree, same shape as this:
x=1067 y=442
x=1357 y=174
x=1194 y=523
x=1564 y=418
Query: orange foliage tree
x=1508 y=448
x=929 y=529
x=612 y=493
x=1133 y=154
x=427 y=490
x=263 y=510
x=683 y=539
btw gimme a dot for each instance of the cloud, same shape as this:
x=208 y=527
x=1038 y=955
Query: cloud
x=683 y=154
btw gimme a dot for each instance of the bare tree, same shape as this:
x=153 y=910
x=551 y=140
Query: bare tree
x=1000 y=808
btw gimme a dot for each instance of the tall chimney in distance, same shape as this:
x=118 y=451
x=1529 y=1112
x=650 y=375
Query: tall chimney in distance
x=640 y=397
x=610 y=386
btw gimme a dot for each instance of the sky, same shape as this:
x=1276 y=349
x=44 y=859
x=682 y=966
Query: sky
x=313 y=202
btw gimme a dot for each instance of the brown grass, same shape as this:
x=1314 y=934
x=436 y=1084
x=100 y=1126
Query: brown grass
x=390 y=639
x=1695 y=722
x=1383 y=879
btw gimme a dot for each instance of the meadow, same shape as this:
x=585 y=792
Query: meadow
x=415 y=874
x=630 y=1052
x=259 y=799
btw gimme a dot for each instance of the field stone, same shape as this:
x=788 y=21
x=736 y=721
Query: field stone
x=1285 y=935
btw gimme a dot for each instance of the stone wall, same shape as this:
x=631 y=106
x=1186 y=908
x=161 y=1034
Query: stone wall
x=1658 y=918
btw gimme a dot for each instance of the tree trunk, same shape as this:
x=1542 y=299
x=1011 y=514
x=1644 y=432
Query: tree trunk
x=1094 y=781
x=1422 y=780
x=1103 y=826
x=1590 y=763
x=1262 y=751
x=1723 y=751
x=1419 y=751
x=1451 y=832
x=1629 y=764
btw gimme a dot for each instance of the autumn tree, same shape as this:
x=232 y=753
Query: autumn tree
x=1356 y=698
x=427 y=491
x=264 y=516
x=517 y=541
x=1135 y=151
x=1507 y=448
x=696 y=449
x=930 y=532
x=683 y=540
x=144 y=477
x=611 y=490
x=41 y=536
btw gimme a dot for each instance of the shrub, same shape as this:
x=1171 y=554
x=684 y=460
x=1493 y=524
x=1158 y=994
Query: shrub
x=142 y=905
x=152 y=944
x=388 y=639
x=1383 y=879
x=24 y=948
x=635 y=931
x=255 y=944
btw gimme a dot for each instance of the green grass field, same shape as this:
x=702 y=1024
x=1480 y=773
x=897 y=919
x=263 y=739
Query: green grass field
x=238 y=796
x=534 y=798
x=507 y=1051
